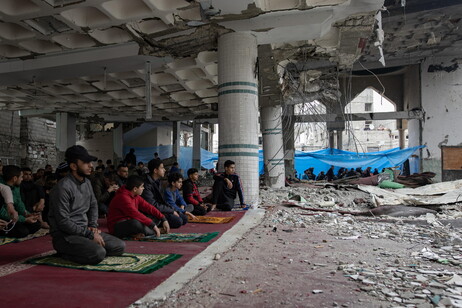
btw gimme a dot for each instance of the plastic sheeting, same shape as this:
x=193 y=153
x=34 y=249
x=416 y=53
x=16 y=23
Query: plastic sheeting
x=320 y=160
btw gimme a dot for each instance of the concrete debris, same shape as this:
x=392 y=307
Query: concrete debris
x=318 y=196
x=431 y=275
x=317 y=291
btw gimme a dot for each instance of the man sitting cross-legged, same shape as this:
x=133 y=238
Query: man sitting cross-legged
x=191 y=194
x=154 y=194
x=8 y=214
x=226 y=186
x=74 y=213
x=32 y=195
x=174 y=199
x=27 y=223
x=130 y=215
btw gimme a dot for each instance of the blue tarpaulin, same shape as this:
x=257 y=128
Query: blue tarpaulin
x=320 y=160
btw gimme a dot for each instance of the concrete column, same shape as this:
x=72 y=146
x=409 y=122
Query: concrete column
x=176 y=139
x=331 y=139
x=340 y=139
x=288 y=139
x=118 y=143
x=238 y=108
x=196 y=158
x=210 y=140
x=273 y=150
x=401 y=134
x=65 y=133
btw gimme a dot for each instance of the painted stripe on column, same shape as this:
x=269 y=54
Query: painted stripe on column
x=276 y=164
x=239 y=154
x=236 y=145
x=266 y=134
x=238 y=83
x=272 y=129
x=237 y=91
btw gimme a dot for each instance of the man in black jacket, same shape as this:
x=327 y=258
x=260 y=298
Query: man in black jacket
x=225 y=188
x=153 y=194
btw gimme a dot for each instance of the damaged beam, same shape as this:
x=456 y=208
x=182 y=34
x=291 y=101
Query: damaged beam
x=412 y=114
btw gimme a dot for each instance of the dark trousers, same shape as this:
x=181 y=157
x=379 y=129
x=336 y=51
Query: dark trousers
x=174 y=221
x=220 y=198
x=102 y=209
x=200 y=211
x=22 y=229
x=130 y=227
x=82 y=250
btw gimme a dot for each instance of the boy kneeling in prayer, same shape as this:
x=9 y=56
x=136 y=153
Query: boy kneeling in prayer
x=130 y=215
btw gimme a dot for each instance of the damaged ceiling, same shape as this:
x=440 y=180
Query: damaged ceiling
x=412 y=31
x=90 y=57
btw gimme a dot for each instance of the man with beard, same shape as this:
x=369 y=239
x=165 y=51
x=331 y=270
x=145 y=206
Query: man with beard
x=122 y=174
x=74 y=213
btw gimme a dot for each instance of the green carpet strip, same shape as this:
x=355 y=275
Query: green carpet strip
x=7 y=240
x=178 y=237
x=128 y=263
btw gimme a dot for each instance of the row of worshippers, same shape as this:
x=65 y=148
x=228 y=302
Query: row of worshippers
x=330 y=175
x=139 y=207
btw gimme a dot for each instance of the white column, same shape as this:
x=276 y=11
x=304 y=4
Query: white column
x=65 y=133
x=176 y=139
x=238 y=109
x=118 y=143
x=196 y=163
x=273 y=150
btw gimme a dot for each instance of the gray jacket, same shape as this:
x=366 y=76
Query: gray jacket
x=73 y=208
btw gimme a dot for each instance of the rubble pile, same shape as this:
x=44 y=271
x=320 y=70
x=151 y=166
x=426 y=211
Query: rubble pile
x=318 y=196
x=427 y=274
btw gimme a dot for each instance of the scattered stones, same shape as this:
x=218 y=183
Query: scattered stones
x=317 y=291
x=428 y=273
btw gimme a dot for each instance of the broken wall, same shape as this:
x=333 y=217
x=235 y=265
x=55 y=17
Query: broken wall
x=442 y=103
x=38 y=143
x=10 y=144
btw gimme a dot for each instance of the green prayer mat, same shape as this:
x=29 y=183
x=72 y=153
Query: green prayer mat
x=128 y=263
x=178 y=237
x=7 y=240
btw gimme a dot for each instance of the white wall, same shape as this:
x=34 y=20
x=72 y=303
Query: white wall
x=100 y=145
x=442 y=103
x=156 y=136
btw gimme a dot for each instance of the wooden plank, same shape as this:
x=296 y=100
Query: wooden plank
x=452 y=158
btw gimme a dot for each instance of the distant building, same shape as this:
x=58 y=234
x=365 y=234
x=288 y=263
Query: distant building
x=362 y=136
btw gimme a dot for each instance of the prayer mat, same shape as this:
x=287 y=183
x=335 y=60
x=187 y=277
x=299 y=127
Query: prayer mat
x=178 y=237
x=128 y=263
x=211 y=220
x=7 y=240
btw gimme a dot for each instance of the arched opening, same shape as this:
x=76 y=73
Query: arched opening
x=311 y=136
x=372 y=135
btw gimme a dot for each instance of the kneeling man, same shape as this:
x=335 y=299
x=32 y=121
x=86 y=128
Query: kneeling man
x=74 y=213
